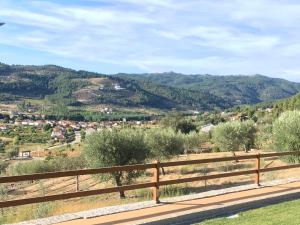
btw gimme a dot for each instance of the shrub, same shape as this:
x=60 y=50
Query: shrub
x=177 y=122
x=194 y=140
x=186 y=127
x=51 y=165
x=16 y=140
x=164 y=143
x=233 y=136
x=13 y=152
x=286 y=133
x=3 y=166
x=2 y=146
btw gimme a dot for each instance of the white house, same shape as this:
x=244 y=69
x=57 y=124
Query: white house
x=118 y=87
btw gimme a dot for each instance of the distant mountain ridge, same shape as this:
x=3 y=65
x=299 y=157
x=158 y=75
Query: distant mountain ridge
x=240 y=89
x=163 y=91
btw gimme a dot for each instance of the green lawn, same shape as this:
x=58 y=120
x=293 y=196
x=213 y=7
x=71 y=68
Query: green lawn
x=284 y=213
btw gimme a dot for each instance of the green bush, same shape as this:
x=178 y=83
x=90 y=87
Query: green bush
x=164 y=143
x=13 y=152
x=233 y=136
x=2 y=146
x=51 y=165
x=193 y=140
x=186 y=127
x=178 y=123
x=3 y=166
x=286 y=133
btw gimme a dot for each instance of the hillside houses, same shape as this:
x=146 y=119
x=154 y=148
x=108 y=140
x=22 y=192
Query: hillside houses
x=58 y=133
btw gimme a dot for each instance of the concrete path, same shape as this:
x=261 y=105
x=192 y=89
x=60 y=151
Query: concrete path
x=196 y=210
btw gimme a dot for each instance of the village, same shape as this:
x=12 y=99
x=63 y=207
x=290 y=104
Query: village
x=50 y=134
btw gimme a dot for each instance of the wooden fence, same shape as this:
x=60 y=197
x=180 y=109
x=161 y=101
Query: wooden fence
x=155 y=184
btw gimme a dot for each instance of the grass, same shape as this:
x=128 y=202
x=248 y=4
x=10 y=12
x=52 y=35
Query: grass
x=283 y=213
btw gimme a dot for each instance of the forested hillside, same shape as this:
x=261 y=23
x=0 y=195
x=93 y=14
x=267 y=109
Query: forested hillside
x=163 y=91
x=70 y=87
x=235 y=89
x=292 y=103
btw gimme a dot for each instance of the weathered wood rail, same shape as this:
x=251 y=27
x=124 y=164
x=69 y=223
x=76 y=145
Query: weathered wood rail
x=154 y=184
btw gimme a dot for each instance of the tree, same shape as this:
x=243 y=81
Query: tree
x=177 y=122
x=69 y=135
x=116 y=148
x=233 y=136
x=164 y=144
x=194 y=140
x=16 y=140
x=286 y=133
x=13 y=152
x=172 y=119
x=185 y=126
x=47 y=127
x=3 y=166
x=2 y=146
x=82 y=134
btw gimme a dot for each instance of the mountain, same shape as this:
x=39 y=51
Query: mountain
x=70 y=87
x=235 y=89
x=60 y=85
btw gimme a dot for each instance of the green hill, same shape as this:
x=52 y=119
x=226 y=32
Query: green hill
x=58 y=84
x=235 y=89
x=162 y=91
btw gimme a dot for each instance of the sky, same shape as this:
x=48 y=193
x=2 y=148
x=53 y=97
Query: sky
x=137 y=36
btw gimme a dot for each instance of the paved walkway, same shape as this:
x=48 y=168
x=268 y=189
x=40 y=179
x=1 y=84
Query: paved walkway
x=189 y=211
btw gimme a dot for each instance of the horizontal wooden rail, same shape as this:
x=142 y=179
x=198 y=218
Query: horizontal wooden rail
x=40 y=176
x=279 y=168
x=273 y=154
x=207 y=177
x=74 y=194
x=155 y=184
x=224 y=159
x=201 y=161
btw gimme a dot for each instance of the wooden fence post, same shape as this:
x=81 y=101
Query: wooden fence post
x=155 y=191
x=257 y=175
x=77 y=183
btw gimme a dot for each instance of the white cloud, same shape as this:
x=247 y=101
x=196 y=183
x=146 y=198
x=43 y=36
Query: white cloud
x=23 y=17
x=196 y=36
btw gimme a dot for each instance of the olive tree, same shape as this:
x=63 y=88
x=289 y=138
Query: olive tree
x=247 y=134
x=233 y=136
x=194 y=140
x=164 y=144
x=107 y=148
x=286 y=133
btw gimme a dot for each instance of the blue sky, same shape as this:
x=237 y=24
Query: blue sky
x=191 y=36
